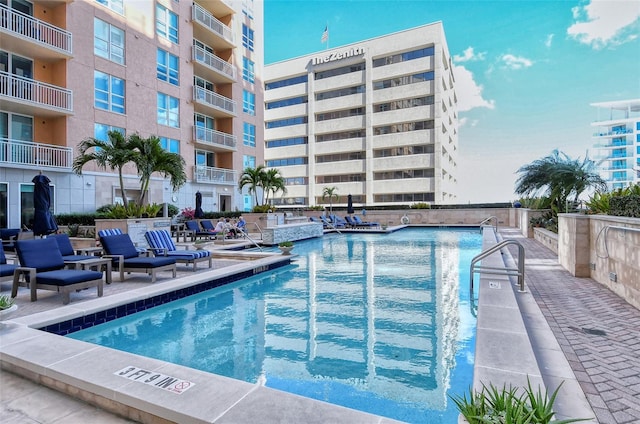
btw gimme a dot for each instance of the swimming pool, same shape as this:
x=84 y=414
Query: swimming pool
x=379 y=323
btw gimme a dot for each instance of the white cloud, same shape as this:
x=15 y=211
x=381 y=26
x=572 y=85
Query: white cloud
x=549 y=40
x=469 y=92
x=516 y=62
x=468 y=55
x=605 y=22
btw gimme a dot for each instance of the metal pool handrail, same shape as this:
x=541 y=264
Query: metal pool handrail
x=495 y=226
x=519 y=272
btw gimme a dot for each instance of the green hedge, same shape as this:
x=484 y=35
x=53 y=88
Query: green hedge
x=625 y=206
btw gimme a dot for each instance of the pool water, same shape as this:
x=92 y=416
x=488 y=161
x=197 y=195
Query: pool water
x=378 y=323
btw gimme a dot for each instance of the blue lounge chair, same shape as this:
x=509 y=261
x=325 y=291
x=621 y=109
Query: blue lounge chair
x=338 y=222
x=127 y=259
x=42 y=267
x=114 y=232
x=161 y=244
x=362 y=223
x=351 y=222
x=6 y=270
x=66 y=249
x=197 y=231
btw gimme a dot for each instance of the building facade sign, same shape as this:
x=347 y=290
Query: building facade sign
x=333 y=56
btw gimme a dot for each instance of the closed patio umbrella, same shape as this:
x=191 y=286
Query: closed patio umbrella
x=199 y=212
x=350 y=210
x=43 y=222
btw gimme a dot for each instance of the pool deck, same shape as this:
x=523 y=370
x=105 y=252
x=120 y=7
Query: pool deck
x=570 y=329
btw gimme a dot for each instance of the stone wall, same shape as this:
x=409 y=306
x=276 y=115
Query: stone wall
x=546 y=237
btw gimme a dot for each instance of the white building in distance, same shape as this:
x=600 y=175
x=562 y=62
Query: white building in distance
x=376 y=119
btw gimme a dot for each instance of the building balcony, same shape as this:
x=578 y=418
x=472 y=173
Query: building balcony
x=615 y=133
x=217 y=140
x=31 y=97
x=23 y=34
x=208 y=174
x=208 y=29
x=21 y=154
x=213 y=104
x=211 y=67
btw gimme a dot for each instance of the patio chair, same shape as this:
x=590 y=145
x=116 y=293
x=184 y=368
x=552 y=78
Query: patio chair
x=161 y=244
x=6 y=270
x=337 y=221
x=362 y=223
x=126 y=258
x=42 y=267
x=197 y=231
x=208 y=226
x=350 y=222
x=114 y=232
x=66 y=249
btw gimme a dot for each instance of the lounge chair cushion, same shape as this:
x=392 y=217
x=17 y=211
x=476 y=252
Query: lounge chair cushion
x=119 y=244
x=41 y=254
x=149 y=261
x=161 y=239
x=67 y=250
x=5 y=269
x=67 y=277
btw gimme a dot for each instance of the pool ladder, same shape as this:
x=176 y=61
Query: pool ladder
x=488 y=220
x=519 y=271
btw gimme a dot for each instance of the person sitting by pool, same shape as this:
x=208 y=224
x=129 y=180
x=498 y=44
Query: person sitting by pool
x=220 y=226
x=230 y=229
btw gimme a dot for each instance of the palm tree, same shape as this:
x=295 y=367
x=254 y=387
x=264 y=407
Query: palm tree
x=273 y=182
x=150 y=158
x=252 y=177
x=331 y=193
x=113 y=154
x=558 y=176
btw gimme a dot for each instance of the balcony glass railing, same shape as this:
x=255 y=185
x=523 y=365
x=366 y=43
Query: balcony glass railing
x=201 y=15
x=217 y=138
x=36 y=92
x=208 y=174
x=40 y=32
x=212 y=61
x=214 y=100
x=17 y=153
x=613 y=132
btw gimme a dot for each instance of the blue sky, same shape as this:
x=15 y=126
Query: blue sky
x=526 y=71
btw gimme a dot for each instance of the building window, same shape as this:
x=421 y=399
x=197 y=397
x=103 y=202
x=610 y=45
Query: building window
x=109 y=92
x=405 y=80
x=166 y=23
x=286 y=162
x=168 y=67
x=101 y=131
x=345 y=178
x=248 y=102
x=340 y=92
x=287 y=102
x=403 y=104
x=248 y=70
x=247 y=37
x=248 y=161
x=108 y=41
x=14 y=127
x=340 y=71
x=404 y=197
x=287 y=142
x=286 y=82
x=115 y=5
x=337 y=114
x=340 y=135
x=403 y=57
x=249 y=134
x=403 y=127
x=404 y=174
x=340 y=157
x=168 y=110
x=247 y=8
x=296 y=181
x=170 y=144
x=287 y=122
x=4 y=205
x=404 y=151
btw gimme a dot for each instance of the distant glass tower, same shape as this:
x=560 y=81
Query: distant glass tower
x=617 y=142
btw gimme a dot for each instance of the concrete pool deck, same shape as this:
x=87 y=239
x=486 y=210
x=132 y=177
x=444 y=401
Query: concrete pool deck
x=546 y=352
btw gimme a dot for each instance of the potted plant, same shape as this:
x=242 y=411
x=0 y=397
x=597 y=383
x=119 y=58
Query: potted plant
x=7 y=306
x=285 y=247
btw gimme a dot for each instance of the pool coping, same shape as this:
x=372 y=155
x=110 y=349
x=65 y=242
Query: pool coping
x=505 y=318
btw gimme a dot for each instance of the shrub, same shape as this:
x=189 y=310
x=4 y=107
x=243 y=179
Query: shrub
x=420 y=205
x=86 y=219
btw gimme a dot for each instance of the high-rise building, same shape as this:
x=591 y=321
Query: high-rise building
x=617 y=142
x=376 y=119
x=188 y=72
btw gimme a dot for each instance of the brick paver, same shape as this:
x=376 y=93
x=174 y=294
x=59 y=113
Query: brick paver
x=597 y=330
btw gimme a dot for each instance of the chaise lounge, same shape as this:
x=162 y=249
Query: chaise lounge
x=42 y=267
x=161 y=243
x=126 y=258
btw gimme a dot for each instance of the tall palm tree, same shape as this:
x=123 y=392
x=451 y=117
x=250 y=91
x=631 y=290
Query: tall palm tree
x=114 y=154
x=331 y=193
x=558 y=176
x=273 y=182
x=253 y=178
x=150 y=158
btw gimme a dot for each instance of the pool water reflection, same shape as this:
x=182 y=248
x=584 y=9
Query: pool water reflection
x=379 y=323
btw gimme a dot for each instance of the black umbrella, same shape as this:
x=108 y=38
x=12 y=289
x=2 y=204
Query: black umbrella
x=350 y=210
x=199 y=212
x=43 y=222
